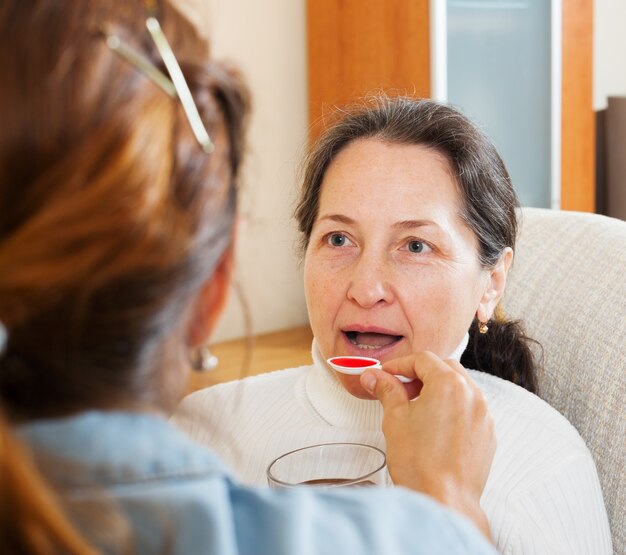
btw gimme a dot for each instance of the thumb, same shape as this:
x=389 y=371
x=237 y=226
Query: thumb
x=385 y=387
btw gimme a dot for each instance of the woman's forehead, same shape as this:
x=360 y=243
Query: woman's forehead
x=371 y=176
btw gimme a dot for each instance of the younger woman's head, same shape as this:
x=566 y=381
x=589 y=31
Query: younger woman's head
x=115 y=225
x=408 y=222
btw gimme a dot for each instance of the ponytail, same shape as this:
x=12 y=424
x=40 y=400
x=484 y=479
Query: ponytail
x=504 y=351
x=32 y=517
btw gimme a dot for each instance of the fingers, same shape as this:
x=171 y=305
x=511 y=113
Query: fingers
x=386 y=388
x=442 y=442
x=424 y=365
x=444 y=381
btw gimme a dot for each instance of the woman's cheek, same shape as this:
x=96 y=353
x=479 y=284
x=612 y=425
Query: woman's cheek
x=320 y=298
x=325 y=276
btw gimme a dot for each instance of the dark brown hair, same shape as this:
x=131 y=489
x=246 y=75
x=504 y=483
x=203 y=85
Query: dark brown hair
x=489 y=202
x=111 y=215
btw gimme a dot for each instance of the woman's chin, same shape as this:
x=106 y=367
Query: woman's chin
x=352 y=384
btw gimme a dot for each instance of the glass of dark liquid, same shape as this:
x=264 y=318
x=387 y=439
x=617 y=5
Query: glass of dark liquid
x=330 y=465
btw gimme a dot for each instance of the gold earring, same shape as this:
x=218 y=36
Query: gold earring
x=483 y=327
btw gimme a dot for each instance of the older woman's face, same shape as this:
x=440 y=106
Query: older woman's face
x=391 y=268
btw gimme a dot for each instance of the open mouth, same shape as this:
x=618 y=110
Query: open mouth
x=371 y=340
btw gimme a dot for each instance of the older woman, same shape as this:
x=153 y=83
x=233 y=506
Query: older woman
x=408 y=224
x=118 y=193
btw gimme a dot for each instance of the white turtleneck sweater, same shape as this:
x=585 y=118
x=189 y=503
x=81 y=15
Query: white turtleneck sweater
x=542 y=496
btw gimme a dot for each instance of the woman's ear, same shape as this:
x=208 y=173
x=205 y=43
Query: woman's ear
x=210 y=302
x=496 y=282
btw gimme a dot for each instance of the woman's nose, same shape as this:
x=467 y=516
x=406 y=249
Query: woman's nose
x=369 y=284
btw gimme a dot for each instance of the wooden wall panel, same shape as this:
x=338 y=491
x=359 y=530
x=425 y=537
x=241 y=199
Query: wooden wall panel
x=359 y=46
x=578 y=119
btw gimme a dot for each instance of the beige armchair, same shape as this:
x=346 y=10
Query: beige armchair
x=568 y=285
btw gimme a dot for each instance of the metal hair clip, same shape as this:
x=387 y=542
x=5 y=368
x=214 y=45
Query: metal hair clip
x=174 y=85
x=4 y=336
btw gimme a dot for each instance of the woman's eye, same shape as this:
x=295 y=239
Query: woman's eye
x=417 y=247
x=338 y=240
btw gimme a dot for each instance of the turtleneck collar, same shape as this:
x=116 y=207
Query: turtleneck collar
x=339 y=408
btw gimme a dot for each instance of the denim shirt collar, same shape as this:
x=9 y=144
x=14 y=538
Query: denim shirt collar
x=109 y=448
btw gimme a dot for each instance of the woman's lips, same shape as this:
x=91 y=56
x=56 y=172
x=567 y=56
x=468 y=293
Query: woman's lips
x=371 y=340
x=369 y=343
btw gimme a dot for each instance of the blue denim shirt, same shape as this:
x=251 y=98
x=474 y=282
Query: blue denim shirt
x=178 y=497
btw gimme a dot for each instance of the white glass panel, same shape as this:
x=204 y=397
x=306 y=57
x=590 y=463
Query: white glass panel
x=498 y=69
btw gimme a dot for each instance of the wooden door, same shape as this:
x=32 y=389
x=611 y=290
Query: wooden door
x=361 y=46
x=578 y=125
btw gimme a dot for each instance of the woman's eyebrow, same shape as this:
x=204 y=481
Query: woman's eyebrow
x=401 y=225
x=433 y=227
x=337 y=218
x=411 y=224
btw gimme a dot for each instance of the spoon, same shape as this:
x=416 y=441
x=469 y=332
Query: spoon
x=355 y=366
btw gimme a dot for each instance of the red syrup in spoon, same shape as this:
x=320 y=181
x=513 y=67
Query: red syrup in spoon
x=350 y=362
x=357 y=365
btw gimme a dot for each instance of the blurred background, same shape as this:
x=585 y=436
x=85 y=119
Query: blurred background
x=546 y=79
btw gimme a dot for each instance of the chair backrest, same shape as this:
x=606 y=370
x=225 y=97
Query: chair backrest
x=568 y=286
